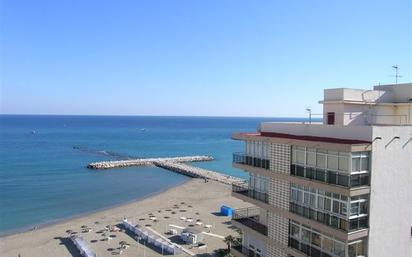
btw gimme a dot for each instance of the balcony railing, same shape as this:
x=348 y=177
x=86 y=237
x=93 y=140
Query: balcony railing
x=242 y=158
x=246 y=251
x=250 y=218
x=240 y=249
x=328 y=219
x=330 y=177
x=246 y=191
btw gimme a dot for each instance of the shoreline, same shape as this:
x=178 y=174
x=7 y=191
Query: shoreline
x=58 y=221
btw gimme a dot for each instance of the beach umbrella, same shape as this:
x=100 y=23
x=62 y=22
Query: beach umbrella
x=69 y=231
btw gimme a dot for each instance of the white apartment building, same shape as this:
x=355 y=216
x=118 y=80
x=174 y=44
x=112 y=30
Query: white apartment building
x=338 y=189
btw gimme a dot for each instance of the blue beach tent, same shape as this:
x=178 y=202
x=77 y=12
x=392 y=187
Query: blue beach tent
x=226 y=210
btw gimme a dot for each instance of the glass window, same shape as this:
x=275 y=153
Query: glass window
x=305 y=235
x=320 y=202
x=306 y=199
x=363 y=208
x=333 y=162
x=321 y=160
x=335 y=207
x=356 y=249
x=294 y=230
x=355 y=164
x=294 y=195
x=316 y=240
x=311 y=158
x=364 y=164
x=354 y=209
x=312 y=200
x=339 y=249
x=343 y=208
x=327 y=244
x=334 y=221
x=343 y=162
x=300 y=157
x=327 y=204
x=300 y=196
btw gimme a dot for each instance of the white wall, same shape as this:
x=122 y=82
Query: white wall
x=256 y=242
x=342 y=132
x=400 y=93
x=390 y=213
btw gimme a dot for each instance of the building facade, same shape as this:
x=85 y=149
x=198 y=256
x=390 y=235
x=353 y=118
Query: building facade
x=342 y=188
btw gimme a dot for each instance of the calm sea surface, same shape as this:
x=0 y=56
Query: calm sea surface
x=43 y=158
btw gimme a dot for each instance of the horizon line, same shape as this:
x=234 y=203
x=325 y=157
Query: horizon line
x=153 y=115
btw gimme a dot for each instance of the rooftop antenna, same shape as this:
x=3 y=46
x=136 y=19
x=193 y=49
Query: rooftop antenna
x=396 y=67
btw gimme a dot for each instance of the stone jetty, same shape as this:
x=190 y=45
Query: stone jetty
x=196 y=172
x=146 y=162
x=175 y=164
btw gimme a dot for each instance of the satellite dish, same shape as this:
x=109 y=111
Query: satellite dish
x=368 y=97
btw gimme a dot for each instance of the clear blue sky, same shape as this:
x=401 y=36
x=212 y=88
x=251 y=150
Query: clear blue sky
x=195 y=57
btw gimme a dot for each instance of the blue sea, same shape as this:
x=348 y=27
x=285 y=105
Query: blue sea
x=43 y=174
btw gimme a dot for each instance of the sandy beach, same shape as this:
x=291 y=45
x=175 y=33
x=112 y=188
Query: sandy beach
x=194 y=199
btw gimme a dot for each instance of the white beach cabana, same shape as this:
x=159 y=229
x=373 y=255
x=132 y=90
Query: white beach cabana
x=81 y=245
x=151 y=238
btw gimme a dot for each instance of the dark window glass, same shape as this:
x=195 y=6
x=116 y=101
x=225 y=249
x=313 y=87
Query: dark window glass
x=320 y=175
x=331 y=118
x=335 y=207
x=327 y=204
x=363 y=222
x=354 y=180
x=309 y=173
x=300 y=171
x=306 y=212
x=327 y=219
x=292 y=169
x=353 y=224
x=305 y=248
x=315 y=252
x=294 y=243
x=312 y=214
x=343 y=180
x=344 y=225
x=334 y=222
x=332 y=179
x=321 y=217
x=364 y=179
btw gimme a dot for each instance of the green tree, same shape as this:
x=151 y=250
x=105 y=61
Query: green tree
x=229 y=240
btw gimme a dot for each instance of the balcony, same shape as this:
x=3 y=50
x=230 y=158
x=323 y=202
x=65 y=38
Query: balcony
x=242 y=158
x=239 y=251
x=330 y=177
x=250 y=193
x=249 y=217
x=328 y=219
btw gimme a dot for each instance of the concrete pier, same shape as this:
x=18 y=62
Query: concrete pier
x=175 y=164
x=146 y=162
x=196 y=172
